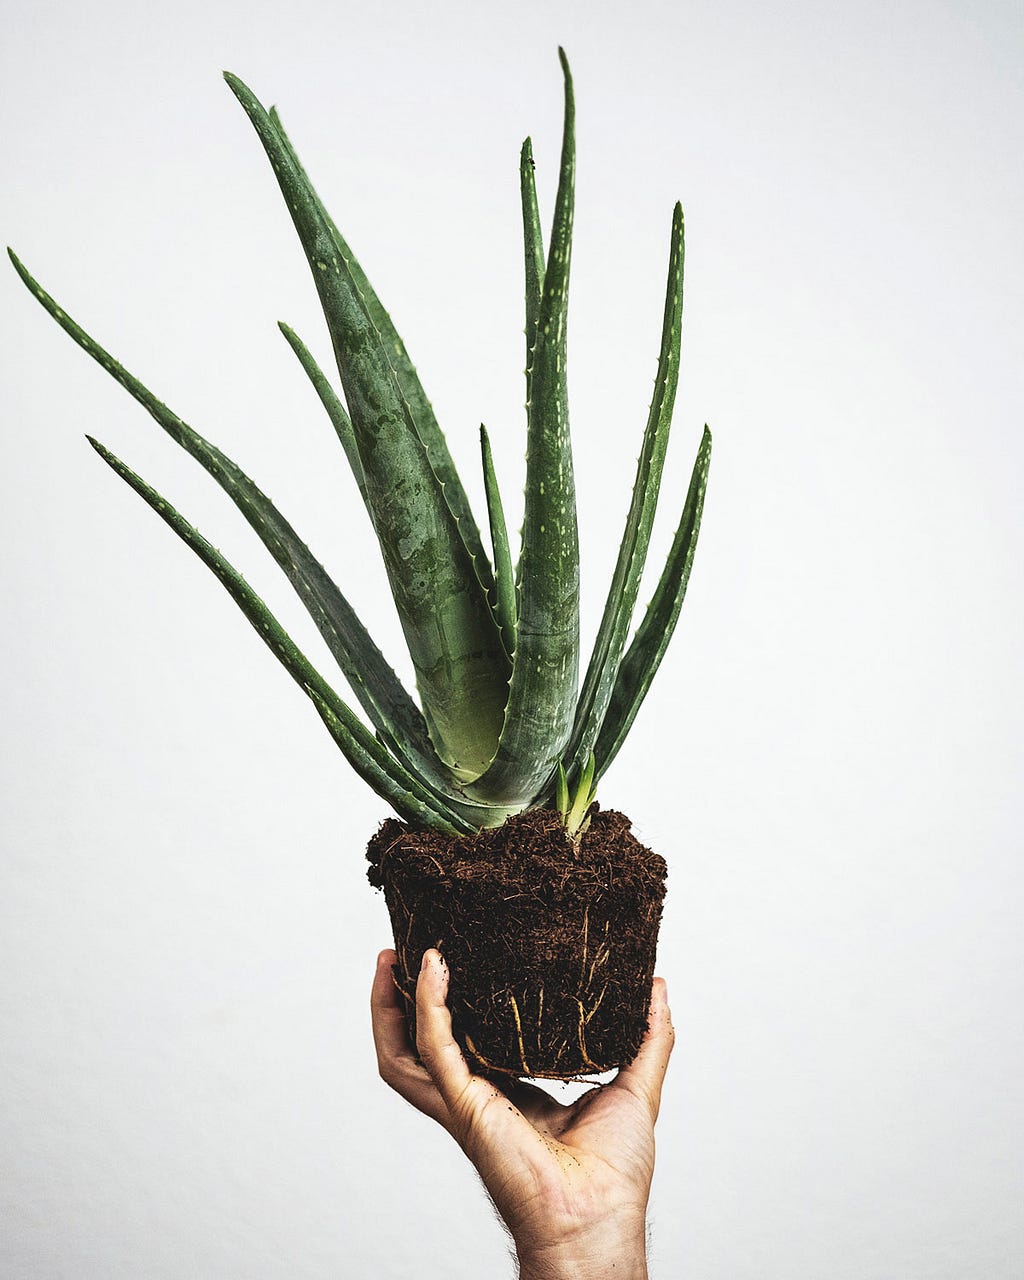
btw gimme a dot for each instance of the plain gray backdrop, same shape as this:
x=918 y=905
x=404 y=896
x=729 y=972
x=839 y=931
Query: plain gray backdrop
x=831 y=756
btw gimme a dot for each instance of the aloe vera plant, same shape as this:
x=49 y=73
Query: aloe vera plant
x=502 y=723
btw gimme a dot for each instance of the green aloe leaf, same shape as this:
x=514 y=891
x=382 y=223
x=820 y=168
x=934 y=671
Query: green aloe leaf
x=331 y=401
x=372 y=679
x=419 y=407
x=423 y=759
x=400 y=788
x=618 y=610
x=504 y=579
x=461 y=667
x=542 y=693
x=533 y=249
x=655 y=631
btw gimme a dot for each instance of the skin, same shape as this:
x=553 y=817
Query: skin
x=570 y=1182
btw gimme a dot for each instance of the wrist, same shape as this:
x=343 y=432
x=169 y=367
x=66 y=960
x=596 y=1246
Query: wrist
x=609 y=1251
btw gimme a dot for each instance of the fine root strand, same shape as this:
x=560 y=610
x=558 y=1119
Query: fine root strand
x=594 y=1007
x=600 y=959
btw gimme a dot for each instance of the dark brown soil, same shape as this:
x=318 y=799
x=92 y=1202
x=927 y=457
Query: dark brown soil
x=550 y=947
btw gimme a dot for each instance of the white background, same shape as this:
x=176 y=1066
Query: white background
x=830 y=759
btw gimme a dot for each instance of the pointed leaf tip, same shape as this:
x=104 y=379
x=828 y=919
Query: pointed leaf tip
x=19 y=266
x=242 y=92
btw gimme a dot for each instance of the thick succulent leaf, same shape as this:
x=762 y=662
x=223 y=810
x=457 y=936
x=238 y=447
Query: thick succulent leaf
x=618 y=609
x=644 y=655
x=420 y=409
x=461 y=666
x=421 y=756
x=505 y=608
x=372 y=679
x=542 y=694
x=533 y=251
x=404 y=792
x=331 y=401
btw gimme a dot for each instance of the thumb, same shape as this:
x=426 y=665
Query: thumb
x=645 y=1075
x=481 y=1117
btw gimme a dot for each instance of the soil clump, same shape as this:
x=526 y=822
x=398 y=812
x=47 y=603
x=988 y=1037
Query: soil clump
x=550 y=944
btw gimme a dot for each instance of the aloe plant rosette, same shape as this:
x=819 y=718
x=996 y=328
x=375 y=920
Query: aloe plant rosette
x=545 y=906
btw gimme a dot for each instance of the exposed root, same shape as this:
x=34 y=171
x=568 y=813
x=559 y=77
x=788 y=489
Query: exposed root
x=406 y=944
x=600 y=959
x=489 y=1066
x=584 y=1056
x=519 y=1033
x=594 y=1007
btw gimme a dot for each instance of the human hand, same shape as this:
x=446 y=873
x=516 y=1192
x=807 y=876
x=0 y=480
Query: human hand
x=571 y=1182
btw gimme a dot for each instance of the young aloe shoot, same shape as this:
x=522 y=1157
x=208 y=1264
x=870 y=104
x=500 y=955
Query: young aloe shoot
x=576 y=811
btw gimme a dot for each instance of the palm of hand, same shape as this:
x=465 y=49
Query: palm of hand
x=541 y=1159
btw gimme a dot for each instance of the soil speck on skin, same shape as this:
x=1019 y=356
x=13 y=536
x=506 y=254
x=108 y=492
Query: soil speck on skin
x=550 y=946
